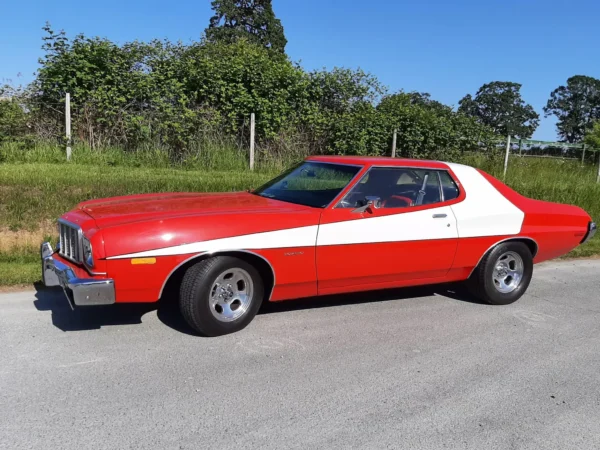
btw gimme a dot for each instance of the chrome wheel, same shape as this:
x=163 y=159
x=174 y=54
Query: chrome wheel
x=508 y=272
x=231 y=294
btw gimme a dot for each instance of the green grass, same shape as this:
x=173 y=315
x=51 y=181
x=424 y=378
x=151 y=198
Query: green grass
x=34 y=194
x=19 y=273
x=20 y=265
x=211 y=154
x=591 y=249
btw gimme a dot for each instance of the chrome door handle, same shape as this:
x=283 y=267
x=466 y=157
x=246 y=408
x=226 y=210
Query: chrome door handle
x=440 y=216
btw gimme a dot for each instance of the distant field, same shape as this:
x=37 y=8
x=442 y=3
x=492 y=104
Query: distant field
x=33 y=195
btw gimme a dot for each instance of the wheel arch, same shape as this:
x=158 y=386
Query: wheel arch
x=530 y=242
x=264 y=267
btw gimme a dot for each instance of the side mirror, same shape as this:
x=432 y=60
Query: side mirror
x=373 y=202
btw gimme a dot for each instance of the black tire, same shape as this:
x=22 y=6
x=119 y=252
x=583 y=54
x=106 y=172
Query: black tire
x=482 y=284
x=195 y=295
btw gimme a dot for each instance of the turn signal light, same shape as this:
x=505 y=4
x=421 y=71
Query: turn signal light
x=136 y=261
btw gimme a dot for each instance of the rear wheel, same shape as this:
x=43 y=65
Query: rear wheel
x=504 y=274
x=220 y=295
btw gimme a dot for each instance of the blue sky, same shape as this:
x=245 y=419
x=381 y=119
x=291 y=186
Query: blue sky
x=445 y=47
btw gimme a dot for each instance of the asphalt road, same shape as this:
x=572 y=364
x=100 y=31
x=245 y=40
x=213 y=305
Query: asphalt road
x=421 y=368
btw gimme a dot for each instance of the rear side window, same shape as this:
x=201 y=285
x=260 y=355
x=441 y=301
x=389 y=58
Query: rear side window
x=449 y=187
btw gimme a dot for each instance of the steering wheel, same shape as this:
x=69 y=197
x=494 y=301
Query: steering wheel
x=407 y=201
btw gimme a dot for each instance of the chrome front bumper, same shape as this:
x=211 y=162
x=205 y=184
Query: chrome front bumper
x=590 y=233
x=79 y=291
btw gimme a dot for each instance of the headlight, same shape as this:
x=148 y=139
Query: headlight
x=88 y=255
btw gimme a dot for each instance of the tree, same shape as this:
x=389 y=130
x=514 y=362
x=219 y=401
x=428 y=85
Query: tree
x=13 y=119
x=241 y=78
x=120 y=94
x=576 y=106
x=592 y=136
x=181 y=97
x=337 y=90
x=429 y=129
x=13 y=112
x=252 y=19
x=499 y=106
x=424 y=100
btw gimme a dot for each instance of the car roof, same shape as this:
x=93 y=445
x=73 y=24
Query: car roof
x=379 y=161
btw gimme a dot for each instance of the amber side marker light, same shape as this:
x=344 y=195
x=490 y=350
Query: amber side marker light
x=136 y=261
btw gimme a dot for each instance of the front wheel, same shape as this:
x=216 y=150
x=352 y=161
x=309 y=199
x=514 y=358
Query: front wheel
x=504 y=274
x=220 y=295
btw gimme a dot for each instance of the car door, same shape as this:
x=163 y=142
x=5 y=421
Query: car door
x=408 y=233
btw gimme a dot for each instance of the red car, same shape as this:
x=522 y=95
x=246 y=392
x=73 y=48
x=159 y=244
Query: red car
x=328 y=225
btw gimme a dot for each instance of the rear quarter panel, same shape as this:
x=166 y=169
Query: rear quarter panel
x=484 y=218
x=492 y=212
x=557 y=228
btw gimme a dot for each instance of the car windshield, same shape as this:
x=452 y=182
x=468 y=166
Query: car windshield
x=310 y=183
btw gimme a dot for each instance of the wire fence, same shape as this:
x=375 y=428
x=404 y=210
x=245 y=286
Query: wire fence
x=60 y=113
x=529 y=148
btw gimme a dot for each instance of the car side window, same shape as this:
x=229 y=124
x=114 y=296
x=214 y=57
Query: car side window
x=401 y=187
x=449 y=187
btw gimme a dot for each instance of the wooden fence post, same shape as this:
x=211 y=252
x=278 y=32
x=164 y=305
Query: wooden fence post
x=598 y=177
x=506 y=156
x=252 y=125
x=68 y=124
x=583 y=155
x=394 y=143
x=520 y=147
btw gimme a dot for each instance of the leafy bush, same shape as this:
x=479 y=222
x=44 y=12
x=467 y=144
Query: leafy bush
x=428 y=129
x=180 y=99
x=13 y=120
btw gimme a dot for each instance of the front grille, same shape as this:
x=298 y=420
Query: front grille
x=70 y=241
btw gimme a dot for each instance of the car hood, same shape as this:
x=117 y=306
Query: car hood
x=119 y=210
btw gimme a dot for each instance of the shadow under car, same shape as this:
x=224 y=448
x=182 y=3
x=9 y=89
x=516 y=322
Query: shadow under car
x=96 y=317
